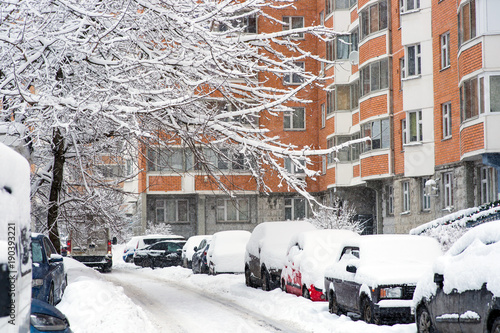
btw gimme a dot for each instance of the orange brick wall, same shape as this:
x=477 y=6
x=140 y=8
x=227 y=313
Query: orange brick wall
x=165 y=183
x=375 y=165
x=232 y=182
x=355 y=171
x=471 y=60
x=373 y=48
x=373 y=107
x=472 y=138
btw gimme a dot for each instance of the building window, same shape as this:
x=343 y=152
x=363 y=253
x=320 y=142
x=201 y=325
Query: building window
x=446 y=110
x=390 y=200
x=322 y=18
x=406 y=196
x=471 y=98
x=467 y=22
x=232 y=210
x=408 y=5
x=174 y=159
x=172 y=210
x=494 y=93
x=295 y=208
x=295 y=77
x=426 y=197
x=224 y=159
x=445 y=50
x=323 y=164
x=413 y=61
x=294 y=22
x=373 y=18
x=295 y=120
x=378 y=131
x=330 y=143
x=246 y=24
x=293 y=168
x=487 y=184
x=330 y=100
x=374 y=76
x=323 y=115
x=404 y=132
x=448 y=190
x=351 y=152
x=341 y=47
x=414 y=132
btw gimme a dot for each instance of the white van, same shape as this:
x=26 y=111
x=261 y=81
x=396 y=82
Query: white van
x=15 y=258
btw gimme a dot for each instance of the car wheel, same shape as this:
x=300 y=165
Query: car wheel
x=496 y=326
x=333 y=306
x=51 y=295
x=367 y=311
x=146 y=262
x=266 y=280
x=248 y=279
x=424 y=323
x=305 y=293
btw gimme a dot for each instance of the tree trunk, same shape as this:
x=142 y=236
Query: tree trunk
x=55 y=188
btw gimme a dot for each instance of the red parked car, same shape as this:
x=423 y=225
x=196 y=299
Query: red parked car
x=309 y=253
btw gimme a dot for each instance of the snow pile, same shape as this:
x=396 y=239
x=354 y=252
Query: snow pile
x=317 y=250
x=468 y=264
x=94 y=305
x=227 y=251
x=388 y=259
x=270 y=240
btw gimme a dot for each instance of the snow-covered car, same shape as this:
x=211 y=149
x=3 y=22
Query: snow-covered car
x=49 y=278
x=190 y=248
x=141 y=242
x=47 y=318
x=161 y=254
x=376 y=276
x=227 y=252
x=461 y=293
x=199 y=260
x=266 y=252
x=309 y=253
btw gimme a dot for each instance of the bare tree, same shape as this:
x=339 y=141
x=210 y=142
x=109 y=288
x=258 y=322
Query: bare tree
x=85 y=75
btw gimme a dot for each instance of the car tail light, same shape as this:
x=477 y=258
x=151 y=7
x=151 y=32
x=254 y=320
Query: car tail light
x=109 y=247
x=68 y=244
x=205 y=253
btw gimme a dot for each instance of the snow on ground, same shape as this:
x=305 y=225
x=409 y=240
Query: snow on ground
x=95 y=305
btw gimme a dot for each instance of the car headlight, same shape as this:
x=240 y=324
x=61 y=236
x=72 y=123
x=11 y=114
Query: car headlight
x=36 y=282
x=391 y=292
x=44 y=322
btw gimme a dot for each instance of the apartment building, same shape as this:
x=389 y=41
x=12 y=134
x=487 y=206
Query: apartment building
x=420 y=77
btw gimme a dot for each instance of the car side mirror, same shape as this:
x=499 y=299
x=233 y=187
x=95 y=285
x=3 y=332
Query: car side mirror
x=54 y=257
x=195 y=249
x=439 y=279
x=115 y=240
x=351 y=268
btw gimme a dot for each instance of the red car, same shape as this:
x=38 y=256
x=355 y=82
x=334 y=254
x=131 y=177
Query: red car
x=309 y=253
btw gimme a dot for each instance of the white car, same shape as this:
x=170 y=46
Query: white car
x=190 y=248
x=227 y=252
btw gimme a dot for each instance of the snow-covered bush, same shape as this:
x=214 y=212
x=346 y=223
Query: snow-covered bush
x=340 y=216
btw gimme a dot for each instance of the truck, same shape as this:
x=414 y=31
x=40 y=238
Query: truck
x=92 y=247
x=15 y=242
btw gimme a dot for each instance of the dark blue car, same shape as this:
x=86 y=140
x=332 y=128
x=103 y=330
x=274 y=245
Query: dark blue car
x=46 y=318
x=49 y=278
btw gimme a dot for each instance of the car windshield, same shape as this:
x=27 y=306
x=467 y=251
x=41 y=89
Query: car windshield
x=36 y=250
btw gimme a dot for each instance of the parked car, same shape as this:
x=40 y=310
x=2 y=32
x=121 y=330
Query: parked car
x=227 y=252
x=161 y=254
x=47 y=318
x=461 y=293
x=376 y=276
x=141 y=242
x=309 y=253
x=48 y=277
x=266 y=252
x=190 y=248
x=199 y=263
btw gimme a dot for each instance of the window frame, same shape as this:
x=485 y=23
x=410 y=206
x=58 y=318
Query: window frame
x=406 y=197
x=448 y=190
x=292 y=205
x=294 y=78
x=165 y=207
x=222 y=203
x=288 y=20
x=384 y=125
x=390 y=200
x=377 y=72
x=446 y=118
x=290 y=118
x=425 y=197
x=369 y=15
x=404 y=6
x=414 y=130
x=323 y=115
x=413 y=67
x=467 y=22
x=445 y=50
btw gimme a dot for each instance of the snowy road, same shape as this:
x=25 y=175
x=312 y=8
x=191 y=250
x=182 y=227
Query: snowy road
x=182 y=309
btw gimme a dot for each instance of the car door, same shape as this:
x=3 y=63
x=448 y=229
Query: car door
x=56 y=269
x=293 y=272
x=474 y=308
x=445 y=308
x=346 y=289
